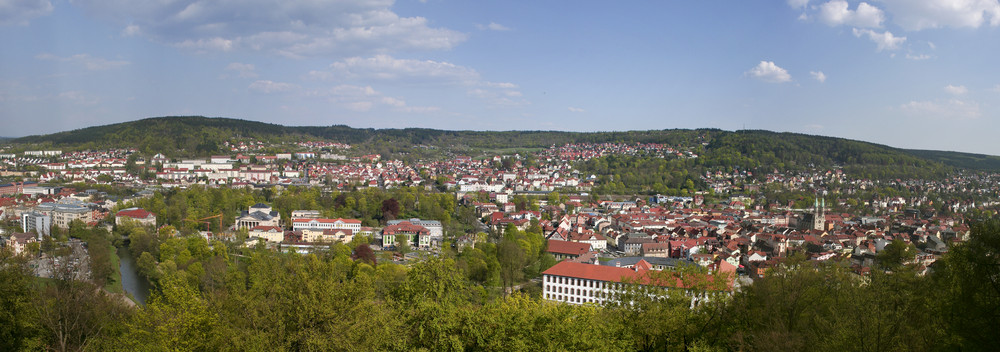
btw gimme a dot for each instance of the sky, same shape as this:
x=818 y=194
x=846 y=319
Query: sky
x=919 y=74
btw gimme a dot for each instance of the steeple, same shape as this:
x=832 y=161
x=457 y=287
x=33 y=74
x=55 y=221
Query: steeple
x=819 y=215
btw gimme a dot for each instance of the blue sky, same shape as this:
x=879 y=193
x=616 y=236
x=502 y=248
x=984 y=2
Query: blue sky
x=906 y=73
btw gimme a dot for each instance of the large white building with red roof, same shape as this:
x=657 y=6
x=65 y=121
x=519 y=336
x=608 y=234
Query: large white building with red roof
x=579 y=283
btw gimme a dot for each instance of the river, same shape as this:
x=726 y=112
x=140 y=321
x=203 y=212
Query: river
x=132 y=282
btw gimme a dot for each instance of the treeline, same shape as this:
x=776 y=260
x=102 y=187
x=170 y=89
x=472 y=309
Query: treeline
x=624 y=174
x=766 y=151
x=176 y=136
x=184 y=208
x=760 y=152
x=748 y=149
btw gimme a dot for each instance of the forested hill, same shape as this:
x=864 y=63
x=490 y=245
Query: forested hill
x=753 y=149
x=195 y=135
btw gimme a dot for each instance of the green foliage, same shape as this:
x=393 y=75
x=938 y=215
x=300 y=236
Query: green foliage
x=175 y=319
x=19 y=326
x=968 y=287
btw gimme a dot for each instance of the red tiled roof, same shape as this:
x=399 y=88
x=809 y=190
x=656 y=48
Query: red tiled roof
x=566 y=247
x=591 y=271
x=135 y=213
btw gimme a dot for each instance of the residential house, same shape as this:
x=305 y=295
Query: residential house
x=138 y=215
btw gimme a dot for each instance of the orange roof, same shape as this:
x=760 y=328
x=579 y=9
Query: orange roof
x=135 y=213
x=591 y=271
x=639 y=275
x=567 y=247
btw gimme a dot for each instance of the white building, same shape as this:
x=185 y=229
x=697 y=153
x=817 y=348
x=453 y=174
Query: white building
x=579 y=283
x=326 y=224
x=35 y=221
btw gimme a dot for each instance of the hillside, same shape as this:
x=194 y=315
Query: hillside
x=970 y=161
x=749 y=149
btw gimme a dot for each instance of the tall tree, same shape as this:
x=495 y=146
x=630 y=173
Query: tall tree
x=19 y=328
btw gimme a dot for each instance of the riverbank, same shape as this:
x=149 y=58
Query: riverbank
x=114 y=284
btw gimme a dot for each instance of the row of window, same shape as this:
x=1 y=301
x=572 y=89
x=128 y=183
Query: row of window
x=573 y=281
x=576 y=291
x=570 y=299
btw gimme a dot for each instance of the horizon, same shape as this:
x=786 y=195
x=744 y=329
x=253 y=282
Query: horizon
x=902 y=73
x=557 y=131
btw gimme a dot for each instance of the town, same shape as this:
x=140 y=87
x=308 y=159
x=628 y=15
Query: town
x=732 y=224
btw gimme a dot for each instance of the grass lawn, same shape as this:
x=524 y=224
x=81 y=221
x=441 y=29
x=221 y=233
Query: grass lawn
x=114 y=284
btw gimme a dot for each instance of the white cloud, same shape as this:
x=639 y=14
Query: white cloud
x=20 y=12
x=504 y=85
x=922 y=14
x=798 y=4
x=574 y=109
x=366 y=98
x=837 y=12
x=268 y=87
x=996 y=88
x=393 y=102
x=418 y=109
x=89 y=62
x=952 y=109
x=131 y=31
x=426 y=73
x=207 y=44
x=818 y=75
x=956 y=90
x=244 y=70
x=493 y=26
x=385 y=67
x=767 y=71
x=78 y=97
x=497 y=99
x=295 y=28
x=917 y=57
x=884 y=40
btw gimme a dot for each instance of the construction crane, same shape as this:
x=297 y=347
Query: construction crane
x=208 y=224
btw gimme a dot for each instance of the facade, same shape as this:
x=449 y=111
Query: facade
x=433 y=226
x=579 y=283
x=64 y=213
x=35 y=221
x=259 y=214
x=139 y=215
x=409 y=231
x=305 y=214
x=271 y=234
x=353 y=225
x=567 y=250
x=18 y=242
x=328 y=235
x=655 y=249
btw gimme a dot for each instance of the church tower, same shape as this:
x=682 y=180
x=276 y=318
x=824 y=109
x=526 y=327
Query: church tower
x=819 y=215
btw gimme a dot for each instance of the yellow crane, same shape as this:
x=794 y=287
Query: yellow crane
x=208 y=224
